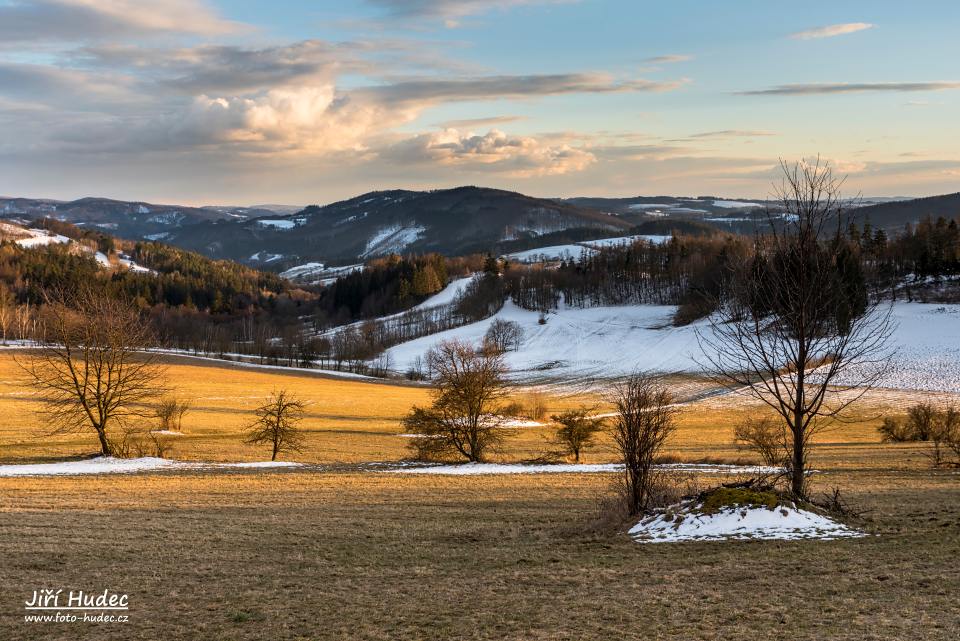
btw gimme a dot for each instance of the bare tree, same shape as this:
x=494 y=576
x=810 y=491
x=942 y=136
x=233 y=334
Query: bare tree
x=92 y=371
x=643 y=422
x=26 y=322
x=797 y=329
x=503 y=336
x=946 y=438
x=8 y=309
x=465 y=416
x=277 y=423
x=578 y=429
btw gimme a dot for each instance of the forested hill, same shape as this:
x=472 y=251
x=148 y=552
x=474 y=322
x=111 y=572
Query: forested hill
x=893 y=216
x=448 y=221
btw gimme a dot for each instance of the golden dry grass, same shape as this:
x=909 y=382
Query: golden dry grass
x=342 y=553
x=346 y=420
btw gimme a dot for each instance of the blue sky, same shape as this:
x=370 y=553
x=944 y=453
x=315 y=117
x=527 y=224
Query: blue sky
x=298 y=102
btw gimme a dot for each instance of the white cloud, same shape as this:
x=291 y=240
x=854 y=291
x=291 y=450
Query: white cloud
x=518 y=156
x=82 y=20
x=668 y=59
x=851 y=87
x=831 y=31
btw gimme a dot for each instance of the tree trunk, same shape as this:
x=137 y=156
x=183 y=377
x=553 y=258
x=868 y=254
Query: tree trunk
x=799 y=445
x=105 y=448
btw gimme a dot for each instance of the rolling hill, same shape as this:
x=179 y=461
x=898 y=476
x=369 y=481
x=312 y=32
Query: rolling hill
x=449 y=221
x=127 y=219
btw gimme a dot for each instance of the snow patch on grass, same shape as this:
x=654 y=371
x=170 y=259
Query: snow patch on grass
x=110 y=465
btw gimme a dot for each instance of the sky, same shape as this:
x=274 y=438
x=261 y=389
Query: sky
x=246 y=102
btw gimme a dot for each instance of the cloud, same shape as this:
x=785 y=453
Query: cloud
x=495 y=151
x=733 y=133
x=450 y=10
x=466 y=123
x=33 y=21
x=831 y=31
x=668 y=59
x=523 y=86
x=60 y=88
x=854 y=87
x=233 y=69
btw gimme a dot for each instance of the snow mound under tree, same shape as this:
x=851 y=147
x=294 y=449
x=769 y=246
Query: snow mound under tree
x=738 y=516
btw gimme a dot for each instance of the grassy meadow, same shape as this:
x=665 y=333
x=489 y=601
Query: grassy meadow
x=337 y=551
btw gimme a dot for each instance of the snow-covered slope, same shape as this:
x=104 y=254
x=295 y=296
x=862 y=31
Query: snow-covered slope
x=598 y=341
x=41 y=237
x=31 y=238
x=576 y=250
x=551 y=253
x=448 y=294
x=392 y=239
x=927 y=342
x=613 y=341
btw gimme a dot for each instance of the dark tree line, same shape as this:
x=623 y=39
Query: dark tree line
x=387 y=286
x=928 y=250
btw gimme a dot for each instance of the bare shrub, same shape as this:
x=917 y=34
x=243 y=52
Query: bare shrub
x=466 y=416
x=138 y=442
x=922 y=421
x=946 y=439
x=503 y=336
x=895 y=431
x=514 y=409
x=416 y=371
x=170 y=411
x=644 y=420
x=381 y=365
x=766 y=437
x=276 y=423
x=577 y=430
x=536 y=403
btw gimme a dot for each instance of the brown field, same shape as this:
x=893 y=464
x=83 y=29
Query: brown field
x=336 y=552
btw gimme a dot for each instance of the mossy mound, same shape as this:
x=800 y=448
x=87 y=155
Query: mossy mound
x=726 y=497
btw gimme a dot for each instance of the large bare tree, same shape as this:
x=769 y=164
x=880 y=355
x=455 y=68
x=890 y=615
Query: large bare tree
x=797 y=329
x=92 y=370
x=464 y=418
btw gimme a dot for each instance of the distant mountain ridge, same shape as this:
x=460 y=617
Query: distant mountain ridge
x=453 y=221
x=128 y=219
x=449 y=221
